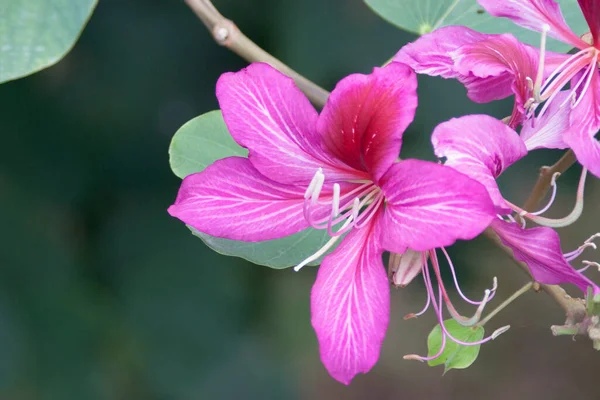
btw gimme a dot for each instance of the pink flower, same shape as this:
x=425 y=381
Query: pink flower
x=483 y=147
x=334 y=171
x=491 y=67
x=491 y=64
x=579 y=70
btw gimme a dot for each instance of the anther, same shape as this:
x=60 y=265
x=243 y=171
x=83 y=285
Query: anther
x=319 y=180
x=591 y=264
x=562 y=222
x=335 y=205
x=311 y=185
x=500 y=331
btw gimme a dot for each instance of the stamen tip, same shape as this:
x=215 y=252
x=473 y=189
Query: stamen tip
x=413 y=357
x=410 y=316
x=546 y=28
x=500 y=331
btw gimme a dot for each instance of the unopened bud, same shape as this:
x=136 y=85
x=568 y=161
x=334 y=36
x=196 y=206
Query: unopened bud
x=403 y=268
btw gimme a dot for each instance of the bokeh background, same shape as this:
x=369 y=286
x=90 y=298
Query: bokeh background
x=104 y=296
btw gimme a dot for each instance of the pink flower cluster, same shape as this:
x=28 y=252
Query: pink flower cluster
x=339 y=170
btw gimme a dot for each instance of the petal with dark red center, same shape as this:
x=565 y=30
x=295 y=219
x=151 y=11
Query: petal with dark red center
x=431 y=53
x=266 y=113
x=481 y=147
x=231 y=199
x=533 y=14
x=350 y=304
x=539 y=248
x=585 y=122
x=431 y=205
x=365 y=116
x=591 y=12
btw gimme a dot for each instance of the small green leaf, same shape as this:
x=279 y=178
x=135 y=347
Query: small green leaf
x=35 y=34
x=454 y=356
x=199 y=143
x=422 y=16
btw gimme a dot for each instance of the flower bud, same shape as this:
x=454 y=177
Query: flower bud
x=403 y=268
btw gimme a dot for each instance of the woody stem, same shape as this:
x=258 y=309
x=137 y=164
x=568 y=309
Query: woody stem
x=227 y=34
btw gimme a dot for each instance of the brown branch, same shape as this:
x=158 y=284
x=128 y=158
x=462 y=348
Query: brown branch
x=543 y=184
x=227 y=34
x=574 y=308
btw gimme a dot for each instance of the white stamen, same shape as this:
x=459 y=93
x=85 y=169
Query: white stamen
x=500 y=331
x=335 y=205
x=540 y=73
x=322 y=250
x=355 y=208
x=320 y=179
x=311 y=185
x=554 y=190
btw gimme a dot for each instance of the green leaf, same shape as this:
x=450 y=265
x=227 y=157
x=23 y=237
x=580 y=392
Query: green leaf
x=35 y=34
x=199 y=143
x=454 y=356
x=279 y=253
x=422 y=16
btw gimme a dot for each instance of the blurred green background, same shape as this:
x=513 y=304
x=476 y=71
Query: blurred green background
x=104 y=296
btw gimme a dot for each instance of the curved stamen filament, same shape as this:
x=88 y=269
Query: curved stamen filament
x=589 y=264
x=321 y=251
x=443 y=344
x=368 y=213
x=576 y=253
x=590 y=72
x=437 y=305
x=552 y=197
x=439 y=312
x=428 y=302
x=562 y=222
x=540 y=72
x=455 y=314
x=460 y=292
x=563 y=74
x=589 y=242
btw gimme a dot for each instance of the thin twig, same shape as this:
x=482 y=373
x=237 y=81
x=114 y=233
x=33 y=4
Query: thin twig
x=505 y=303
x=572 y=307
x=544 y=182
x=227 y=34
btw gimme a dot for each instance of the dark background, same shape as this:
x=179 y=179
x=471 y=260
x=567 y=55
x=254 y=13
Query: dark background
x=104 y=296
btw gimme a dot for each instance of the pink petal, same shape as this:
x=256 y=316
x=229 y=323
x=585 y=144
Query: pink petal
x=591 y=12
x=585 y=122
x=499 y=65
x=484 y=90
x=498 y=56
x=539 y=248
x=266 y=113
x=350 y=304
x=431 y=53
x=481 y=147
x=366 y=115
x=431 y=205
x=533 y=14
x=231 y=199
x=547 y=132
